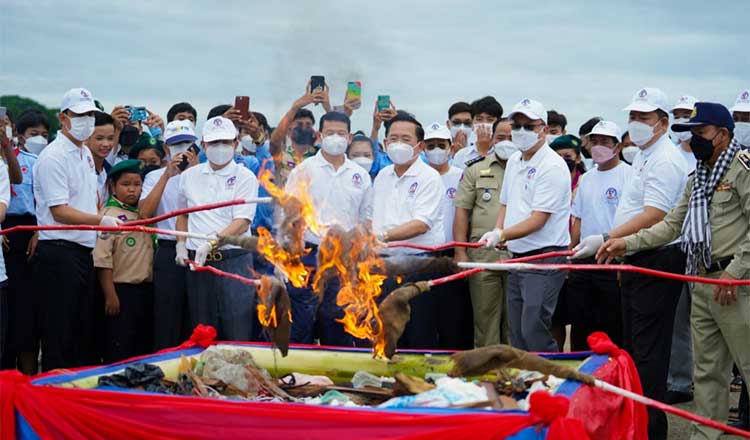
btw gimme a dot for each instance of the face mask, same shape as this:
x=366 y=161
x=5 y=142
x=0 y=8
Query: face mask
x=128 y=136
x=82 y=127
x=247 y=144
x=220 y=154
x=35 y=144
x=524 y=140
x=148 y=168
x=640 y=133
x=571 y=163
x=551 y=138
x=741 y=133
x=702 y=148
x=437 y=156
x=629 y=153
x=602 y=154
x=334 y=145
x=681 y=136
x=466 y=129
x=364 y=162
x=179 y=148
x=504 y=149
x=399 y=153
x=303 y=136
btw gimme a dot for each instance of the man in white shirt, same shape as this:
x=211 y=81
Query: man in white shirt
x=341 y=193
x=65 y=192
x=533 y=219
x=226 y=304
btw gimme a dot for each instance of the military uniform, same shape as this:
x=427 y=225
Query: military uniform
x=720 y=333
x=479 y=192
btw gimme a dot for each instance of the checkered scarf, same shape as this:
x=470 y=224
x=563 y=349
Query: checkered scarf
x=696 y=230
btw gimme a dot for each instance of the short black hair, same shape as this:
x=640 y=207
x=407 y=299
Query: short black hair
x=588 y=126
x=31 y=117
x=304 y=113
x=360 y=136
x=406 y=117
x=9 y=114
x=101 y=118
x=335 y=116
x=459 y=107
x=555 y=118
x=181 y=107
x=488 y=105
x=218 y=111
x=499 y=120
x=261 y=118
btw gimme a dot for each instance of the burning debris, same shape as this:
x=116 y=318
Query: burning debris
x=275 y=312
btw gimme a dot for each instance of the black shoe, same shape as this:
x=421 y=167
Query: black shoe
x=740 y=425
x=674 y=397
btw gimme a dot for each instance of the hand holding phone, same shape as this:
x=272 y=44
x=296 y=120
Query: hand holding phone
x=384 y=102
x=354 y=94
x=137 y=113
x=317 y=83
x=184 y=164
x=242 y=103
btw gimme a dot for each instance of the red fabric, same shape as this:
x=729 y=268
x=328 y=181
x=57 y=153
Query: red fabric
x=10 y=383
x=203 y=336
x=611 y=416
x=551 y=410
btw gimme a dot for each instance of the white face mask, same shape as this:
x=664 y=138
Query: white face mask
x=35 y=144
x=504 y=149
x=437 y=156
x=220 y=154
x=640 y=133
x=524 y=140
x=399 y=153
x=81 y=127
x=334 y=145
x=247 y=144
x=629 y=153
x=741 y=133
x=364 y=162
x=551 y=138
x=466 y=129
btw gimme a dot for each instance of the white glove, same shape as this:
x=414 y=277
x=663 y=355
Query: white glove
x=181 y=253
x=588 y=246
x=202 y=253
x=493 y=238
x=110 y=221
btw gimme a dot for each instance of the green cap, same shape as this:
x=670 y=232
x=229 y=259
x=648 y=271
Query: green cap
x=126 y=166
x=566 y=141
x=144 y=142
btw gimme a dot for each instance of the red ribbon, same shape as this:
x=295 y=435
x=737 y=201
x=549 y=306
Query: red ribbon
x=10 y=383
x=203 y=336
x=552 y=411
x=601 y=344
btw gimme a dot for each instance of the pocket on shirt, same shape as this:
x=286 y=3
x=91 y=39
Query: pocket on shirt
x=723 y=200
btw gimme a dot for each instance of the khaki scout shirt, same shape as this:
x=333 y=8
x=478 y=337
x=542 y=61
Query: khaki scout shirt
x=285 y=162
x=730 y=220
x=130 y=255
x=479 y=192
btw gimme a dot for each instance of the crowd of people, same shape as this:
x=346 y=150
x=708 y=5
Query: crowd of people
x=671 y=193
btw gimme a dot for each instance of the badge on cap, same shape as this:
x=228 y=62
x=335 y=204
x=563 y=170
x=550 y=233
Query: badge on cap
x=745 y=96
x=643 y=93
x=526 y=101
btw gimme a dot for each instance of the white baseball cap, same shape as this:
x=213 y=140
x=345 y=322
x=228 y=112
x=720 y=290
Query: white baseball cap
x=607 y=128
x=532 y=109
x=648 y=99
x=78 y=101
x=219 y=128
x=686 y=102
x=742 y=104
x=179 y=131
x=437 y=131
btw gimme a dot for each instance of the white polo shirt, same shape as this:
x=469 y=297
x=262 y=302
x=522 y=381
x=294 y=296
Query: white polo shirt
x=340 y=197
x=540 y=184
x=450 y=184
x=416 y=195
x=5 y=200
x=64 y=174
x=466 y=154
x=597 y=197
x=658 y=178
x=201 y=185
x=169 y=199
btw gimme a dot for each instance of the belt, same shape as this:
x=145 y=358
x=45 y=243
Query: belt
x=166 y=243
x=217 y=255
x=543 y=250
x=66 y=244
x=717 y=266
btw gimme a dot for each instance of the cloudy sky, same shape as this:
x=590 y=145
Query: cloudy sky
x=583 y=58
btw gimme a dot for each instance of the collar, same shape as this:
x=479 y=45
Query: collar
x=537 y=158
x=656 y=145
x=69 y=145
x=493 y=158
x=113 y=202
x=413 y=170
x=322 y=162
x=227 y=170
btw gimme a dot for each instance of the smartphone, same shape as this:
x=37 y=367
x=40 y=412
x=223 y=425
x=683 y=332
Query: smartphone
x=242 y=103
x=384 y=102
x=354 y=91
x=183 y=165
x=137 y=113
x=317 y=82
x=3 y=112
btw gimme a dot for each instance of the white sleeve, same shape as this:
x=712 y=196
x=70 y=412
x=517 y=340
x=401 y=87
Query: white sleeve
x=551 y=189
x=148 y=184
x=365 y=209
x=428 y=201
x=53 y=181
x=247 y=189
x=663 y=186
x=181 y=196
x=4 y=185
x=504 y=188
x=578 y=202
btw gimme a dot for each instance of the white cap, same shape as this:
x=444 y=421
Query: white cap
x=742 y=104
x=648 y=99
x=179 y=131
x=532 y=109
x=607 y=128
x=686 y=102
x=437 y=131
x=78 y=101
x=219 y=128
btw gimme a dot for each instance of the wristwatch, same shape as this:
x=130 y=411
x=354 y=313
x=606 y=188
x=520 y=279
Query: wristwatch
x=605 y=236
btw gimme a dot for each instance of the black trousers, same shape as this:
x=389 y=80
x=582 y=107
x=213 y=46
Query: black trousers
x=649 y=306
x=63 y=274
x=593 y=305
x=130 y=332
x=170 y=316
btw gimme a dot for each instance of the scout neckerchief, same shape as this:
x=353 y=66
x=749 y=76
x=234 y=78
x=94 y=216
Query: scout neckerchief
x=118 y=204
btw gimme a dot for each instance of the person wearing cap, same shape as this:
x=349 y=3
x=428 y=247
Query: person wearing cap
x=569 y=147
x=223 y=303
x=123 y=266
x=484 y=113
x=741 y=114
x=681 y=112
x=477 y=207
x=65 y=191
x=160 y=195
x=533 y=219
x=713 y=220
x=584 y=130
x=594 y=297
x=149 y=150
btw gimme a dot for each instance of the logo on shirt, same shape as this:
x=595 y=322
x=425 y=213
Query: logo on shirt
x=451 y=193
x=231 y=181
x=24 y=170
x=130 y=241
x=611 y=196
x=290 y=164
x=122 y=217
x=413 y=188
x=357 y=180
x=91 y=162
x=531 y=173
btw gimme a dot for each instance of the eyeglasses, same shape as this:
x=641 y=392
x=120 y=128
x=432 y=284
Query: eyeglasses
x=527 y=127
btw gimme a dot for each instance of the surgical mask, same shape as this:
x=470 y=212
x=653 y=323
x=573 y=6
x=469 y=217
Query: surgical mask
x=364 y=162
x=602 y=154
x=551 y=138
x=742 y=133
x=399 y=153
x=524 y=140
x=81 y=127
x=437 y=156
x=128 y=136
x=702 y=148
x=466 y=129
x=247 y=144
x=640 y=133
x=303 y=136
x=220 y=154
x=179 y=148
x=334 y=144
x=504 y=149
x=681 y=136
x=35 y=144
x=629 y=153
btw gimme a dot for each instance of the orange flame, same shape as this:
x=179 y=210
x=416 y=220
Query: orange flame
x=267 y=318
x=299 y=200
x=289 y=263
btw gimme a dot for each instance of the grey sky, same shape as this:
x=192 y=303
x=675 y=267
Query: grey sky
x=582 y=58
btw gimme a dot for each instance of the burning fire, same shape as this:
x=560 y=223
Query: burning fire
x=297 y=206
x=289 y=263
x=268 y=317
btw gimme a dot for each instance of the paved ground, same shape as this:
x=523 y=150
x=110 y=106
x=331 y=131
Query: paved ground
x=679 y=428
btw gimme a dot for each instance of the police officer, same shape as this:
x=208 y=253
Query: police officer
x=477 y=207
x=713 y=219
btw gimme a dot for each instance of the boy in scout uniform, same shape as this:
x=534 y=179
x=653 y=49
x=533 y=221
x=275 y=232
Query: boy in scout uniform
x=123 y=264
x=713 y=220
x=477 y=206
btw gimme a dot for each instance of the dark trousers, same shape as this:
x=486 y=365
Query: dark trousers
x=593 y=305
x=3 y=326
x=649 y=305
x=170 y=315
x=130 y=333
x=63 y=275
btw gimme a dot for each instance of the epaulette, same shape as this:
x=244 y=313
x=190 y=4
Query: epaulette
x=471 y=162
x=744 y=158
